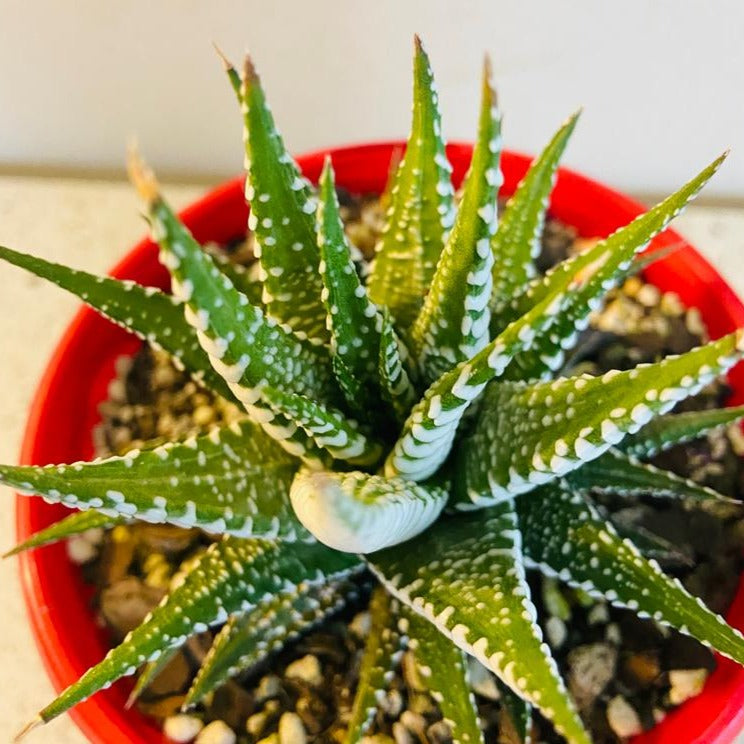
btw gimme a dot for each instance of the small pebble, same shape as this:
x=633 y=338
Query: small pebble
x=270 y=686
x=598 y=615
x=307 y=669
x=439 y=733
x=622 y=717
x=649 y=295
x=392 y=704
x=291 y=730
x=613 y=634
x=402 y=735
x=182 y=727
x=686 y=683
x=256 y=723
x=591 y=667
x=270 y=739
x=481 y=680
x=217 y=732
x=80 y=550
x=556 y=631
x=361 y=624
x=414 y=722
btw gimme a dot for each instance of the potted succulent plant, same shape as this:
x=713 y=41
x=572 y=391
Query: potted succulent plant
x=411 y=427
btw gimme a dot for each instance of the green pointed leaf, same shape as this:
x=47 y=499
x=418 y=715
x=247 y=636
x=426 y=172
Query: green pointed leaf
x=359 y=513
x=429 y=431
x=247 y=348
x=244 y=278
x=145 y=311
x=442 y=666
x=250 y=638
x=149 y=674
x=519 y=712
x=282 y=218
x=517 y=242
x=465 y=575
x=677 y=428
x=326 y=427
x=397 y=388
x=234 y=480
x=75 y=524
x=529 y=434
x=381 y=655
x=421 y=208
x=353 y=320
x=564 y=536
x=231 y=577
x=453 y=324
x=590 y=275
x=618 y=472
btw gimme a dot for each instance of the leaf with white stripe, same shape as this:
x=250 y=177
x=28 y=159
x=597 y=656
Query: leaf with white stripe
x=621 y=473
x=516 y=244
x=326 y=427
x=678 y=428
x=231 y=577
x=466 y=576
x=429 y=431
x=453 y=324
x=247 y=348
x=564 y=536
x=353 y=321
x=234 y=480
x=359 y=513
x=443 y=669
x=145 y=311
x=382 y=653
x=282 y=218
x=396 y=384
x=529 y=434
x=70 y=526
x=591 y=275
x=421 y=208
x=250 y=638
x=518 y=711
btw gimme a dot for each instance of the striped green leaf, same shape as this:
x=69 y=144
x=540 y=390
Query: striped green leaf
x=517 y=242
x=145 y=311
x=443 y=668
x=353 y=321
x=591 y=275
x=453 y=324
x=618 y=472
x=519 y=712
x=75 y=524
x=396 y=384
x=381 y=655
x=250 y=638
x=465 y=575
x=677 y=428
x=325 y=426
x=234 y=480
x=232 y=576
x=421 y=208
x=529 y=434
x=564 y=536
x=359 y=513
x=282 y=218
x=429 y=431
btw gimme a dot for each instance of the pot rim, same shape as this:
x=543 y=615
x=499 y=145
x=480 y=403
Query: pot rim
x=714 y=716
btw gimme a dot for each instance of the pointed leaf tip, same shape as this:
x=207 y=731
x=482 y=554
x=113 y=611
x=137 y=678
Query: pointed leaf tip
x=223 y=57
x=141 y=175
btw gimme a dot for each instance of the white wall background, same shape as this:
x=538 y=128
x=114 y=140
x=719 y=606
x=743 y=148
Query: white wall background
x=662 y=81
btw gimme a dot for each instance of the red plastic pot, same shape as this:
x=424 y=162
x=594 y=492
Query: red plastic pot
x=64 y=412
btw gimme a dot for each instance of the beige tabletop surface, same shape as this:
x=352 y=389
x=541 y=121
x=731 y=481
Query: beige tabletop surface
x=90 y=224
